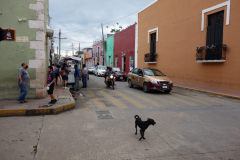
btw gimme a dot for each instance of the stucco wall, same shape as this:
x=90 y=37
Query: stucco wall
x=124 y=41
x=179 y=33
x=33 y=52
x=110 y=50
x=14 y=53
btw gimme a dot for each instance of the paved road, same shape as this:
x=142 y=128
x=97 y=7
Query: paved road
x=189 y=125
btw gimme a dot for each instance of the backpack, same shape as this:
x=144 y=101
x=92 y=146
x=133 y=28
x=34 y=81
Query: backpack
x=63 y=73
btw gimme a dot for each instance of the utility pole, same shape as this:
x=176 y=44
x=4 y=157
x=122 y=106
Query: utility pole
x=57 y=53
x=59 y=42
x=59 y=39
x=72 y=45
x=104 y=56
x=79 y=49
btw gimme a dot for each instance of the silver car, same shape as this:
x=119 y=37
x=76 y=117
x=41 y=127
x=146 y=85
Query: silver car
x=100 y=70
x=91 y=69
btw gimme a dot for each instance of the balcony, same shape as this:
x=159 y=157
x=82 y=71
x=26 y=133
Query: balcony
x=212 y=55
x=150 y=58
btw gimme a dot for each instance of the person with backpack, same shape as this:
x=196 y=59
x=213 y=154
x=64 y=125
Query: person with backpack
x=64 y=74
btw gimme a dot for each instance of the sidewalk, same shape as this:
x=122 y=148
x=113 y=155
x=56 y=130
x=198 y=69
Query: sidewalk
x=33 y=107
x=209 y=90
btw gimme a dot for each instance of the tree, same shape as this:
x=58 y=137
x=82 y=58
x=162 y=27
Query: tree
x=114 y=29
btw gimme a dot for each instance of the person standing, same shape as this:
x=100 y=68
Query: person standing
x=131 y=68
x=84 y=76
x=57 y=73
x=64 y=74
x=50 y=84
x=77 y=77
x=23 y=80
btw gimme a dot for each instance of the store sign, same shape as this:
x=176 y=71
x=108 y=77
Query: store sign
x=9 y=34
x=123 y=53
x=22 y=39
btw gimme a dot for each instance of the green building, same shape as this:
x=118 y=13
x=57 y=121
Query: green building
x=110 y=50
x=28 y=21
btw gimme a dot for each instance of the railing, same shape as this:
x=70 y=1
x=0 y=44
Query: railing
x=217 y=54
x=150 y=58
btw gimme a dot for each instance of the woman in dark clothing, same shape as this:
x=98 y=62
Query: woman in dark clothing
x=64 y=73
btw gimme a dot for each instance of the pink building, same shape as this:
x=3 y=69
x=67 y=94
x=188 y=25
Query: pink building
x=98 y=55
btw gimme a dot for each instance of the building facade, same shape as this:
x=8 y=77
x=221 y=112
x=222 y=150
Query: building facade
x=98 y=55
x=124 y=48
x=87 y=55
x=168 y=41
x=109 y=51
x=27 y=23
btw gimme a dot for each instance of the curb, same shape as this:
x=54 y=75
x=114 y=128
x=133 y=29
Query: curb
x=35 y=112
x=198 y=90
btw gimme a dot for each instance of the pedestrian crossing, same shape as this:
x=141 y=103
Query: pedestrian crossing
x=102 y=99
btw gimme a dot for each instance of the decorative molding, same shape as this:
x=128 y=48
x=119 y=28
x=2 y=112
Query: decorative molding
x=227 y=3
x=148 y=6
x=210 y=61
x=151 y=30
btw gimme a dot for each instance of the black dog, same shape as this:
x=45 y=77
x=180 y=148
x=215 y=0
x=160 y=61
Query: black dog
x=143 y=125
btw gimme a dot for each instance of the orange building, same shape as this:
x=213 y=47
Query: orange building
x=169 y=31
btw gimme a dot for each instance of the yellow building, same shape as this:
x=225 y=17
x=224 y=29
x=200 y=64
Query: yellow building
x=169 y=31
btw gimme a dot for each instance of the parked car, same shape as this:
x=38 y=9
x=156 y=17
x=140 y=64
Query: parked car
x=149 y=79
x=100 y=70
x=119 y=74
x=91 y=69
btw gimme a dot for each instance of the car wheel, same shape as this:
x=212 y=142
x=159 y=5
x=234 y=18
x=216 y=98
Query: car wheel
x=145 y=88
x=130 y=85
x=168 y=91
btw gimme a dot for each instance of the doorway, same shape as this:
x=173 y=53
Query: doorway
x=215 y=35
x=124 y=63
x=110 y=63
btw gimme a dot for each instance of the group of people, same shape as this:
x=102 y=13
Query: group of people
x=52 y=77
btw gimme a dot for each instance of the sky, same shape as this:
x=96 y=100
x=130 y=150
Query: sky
x=80 y=20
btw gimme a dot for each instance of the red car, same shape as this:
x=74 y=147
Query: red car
x=119 y=74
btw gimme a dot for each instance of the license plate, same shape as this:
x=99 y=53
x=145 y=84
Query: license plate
x=164 y=86
x=121 y=77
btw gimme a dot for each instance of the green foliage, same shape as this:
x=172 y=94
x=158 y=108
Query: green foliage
x=114 y=29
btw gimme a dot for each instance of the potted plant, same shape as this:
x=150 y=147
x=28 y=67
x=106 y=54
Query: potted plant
x=224 y=47
x=147 y=57
x=207 y=48
x=147 y=54
x=199 y=49
x=213 y=47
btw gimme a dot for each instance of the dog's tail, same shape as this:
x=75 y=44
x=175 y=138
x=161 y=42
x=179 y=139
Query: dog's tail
x=136 y=116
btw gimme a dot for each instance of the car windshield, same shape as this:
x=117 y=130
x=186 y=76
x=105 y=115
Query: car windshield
x=153 y=72
x=102 y=67
x=91 y=67
x=116 y=70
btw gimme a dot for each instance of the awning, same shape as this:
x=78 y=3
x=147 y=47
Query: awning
x=49 y=31
x=70 y=58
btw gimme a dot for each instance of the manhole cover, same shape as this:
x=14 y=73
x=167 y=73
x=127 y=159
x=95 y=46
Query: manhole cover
x=104 y=115
x=103 y=112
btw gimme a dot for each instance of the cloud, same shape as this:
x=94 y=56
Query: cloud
x=80 y=20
